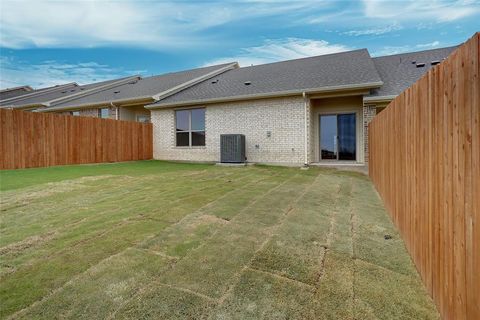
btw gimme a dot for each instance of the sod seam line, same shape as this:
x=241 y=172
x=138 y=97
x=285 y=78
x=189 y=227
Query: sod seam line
x=156 y=253
x=353 y=233
x=331 y=229
x=58 y=289
x=201 y=295
x=115 y=226
x=199 y=210
x=147 y=286
x=280 y=277
x=236 y=277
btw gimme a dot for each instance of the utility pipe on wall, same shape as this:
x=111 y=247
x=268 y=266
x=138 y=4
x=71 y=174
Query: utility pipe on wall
x=117 y=111
x=305 y=128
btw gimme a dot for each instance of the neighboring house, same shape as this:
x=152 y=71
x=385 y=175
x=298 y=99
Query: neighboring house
x=303 y=111
x=14 y=92
x=126 y=100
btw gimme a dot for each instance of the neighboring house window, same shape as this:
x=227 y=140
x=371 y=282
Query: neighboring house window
x=190 y=127
x=103 y=113
x=75 y=113
x=143 y=118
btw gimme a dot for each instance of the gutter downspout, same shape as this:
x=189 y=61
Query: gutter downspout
x=305 y=165
x=117 y=110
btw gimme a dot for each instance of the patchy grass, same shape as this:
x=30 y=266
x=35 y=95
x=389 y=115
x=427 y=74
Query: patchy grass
x=179 y=241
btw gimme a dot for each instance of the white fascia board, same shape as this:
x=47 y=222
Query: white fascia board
x=117 y=103
x=379 y=98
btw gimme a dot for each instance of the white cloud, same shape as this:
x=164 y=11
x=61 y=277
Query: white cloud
x=428 y=45
x=438 y=10
x=48 y=73
x=283 y=49
x=389 y=50
x=148 y=24
x=373 y=31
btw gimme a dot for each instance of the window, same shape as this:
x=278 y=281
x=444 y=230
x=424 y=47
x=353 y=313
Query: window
x=190 y=127
x=103 y=113
x=143 y=118
x=75 y=113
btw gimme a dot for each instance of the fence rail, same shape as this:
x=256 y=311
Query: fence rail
x=425 y=164
x=30 y=139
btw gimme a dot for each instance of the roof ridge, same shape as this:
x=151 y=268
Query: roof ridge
x=306 y=58
x=90 y=91
x=187 y=70
x=39 y=93
x=192 y=82
x=413 y=52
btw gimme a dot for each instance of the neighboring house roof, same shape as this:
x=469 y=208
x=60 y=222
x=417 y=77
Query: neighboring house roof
x=44 y=96
x=152 y=88
x=400 y=71
x=346 y=70
x=35 y=95
x=14 y=92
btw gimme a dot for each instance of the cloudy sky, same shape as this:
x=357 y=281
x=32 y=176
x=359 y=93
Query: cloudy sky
x=44 y=43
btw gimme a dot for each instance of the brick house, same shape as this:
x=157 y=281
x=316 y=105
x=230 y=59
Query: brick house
x=305 y=111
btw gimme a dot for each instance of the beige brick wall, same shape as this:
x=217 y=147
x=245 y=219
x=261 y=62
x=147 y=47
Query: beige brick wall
x=369 y=112
x=283 y=117
x=93 y=112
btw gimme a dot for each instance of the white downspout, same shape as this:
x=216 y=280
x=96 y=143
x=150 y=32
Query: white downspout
x=306 y=128
x=117 y=116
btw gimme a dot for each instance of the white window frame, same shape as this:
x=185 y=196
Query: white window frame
x=100 y=113
x=145 y=116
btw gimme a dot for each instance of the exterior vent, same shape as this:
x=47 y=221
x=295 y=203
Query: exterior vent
x=434 y=62
x=247 y=83
x=232 y=148
x=420 y=64
x=215 y=81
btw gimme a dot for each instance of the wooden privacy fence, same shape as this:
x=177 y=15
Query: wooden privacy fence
x=30 y=139
x=425 y=164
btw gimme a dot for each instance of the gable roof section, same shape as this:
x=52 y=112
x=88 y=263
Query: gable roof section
x=346 y=70
x=400 y=71
x=43 y=98
x=14 y=92
x=149 y=88
x=38 y=94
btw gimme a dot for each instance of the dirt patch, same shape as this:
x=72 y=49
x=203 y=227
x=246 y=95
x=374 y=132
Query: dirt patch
x=18 y=198
x=207 y=219
x=18 y=247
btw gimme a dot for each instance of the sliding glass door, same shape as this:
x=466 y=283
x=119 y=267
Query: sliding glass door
x=338 y=137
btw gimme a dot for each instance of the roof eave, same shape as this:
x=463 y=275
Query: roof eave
x=384 y=98
x=117 y=103
x=285 y=93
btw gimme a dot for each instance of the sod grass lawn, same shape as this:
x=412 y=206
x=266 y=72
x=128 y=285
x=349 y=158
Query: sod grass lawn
x=162 y=240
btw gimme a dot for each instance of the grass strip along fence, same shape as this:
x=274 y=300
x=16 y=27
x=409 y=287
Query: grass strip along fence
x=425 y=164
x=31 y=139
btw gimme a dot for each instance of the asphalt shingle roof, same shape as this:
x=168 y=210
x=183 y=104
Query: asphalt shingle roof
x=148 y=86
x=398 y=72
x=13 y=92
x=339 y=69
x=60 y=93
